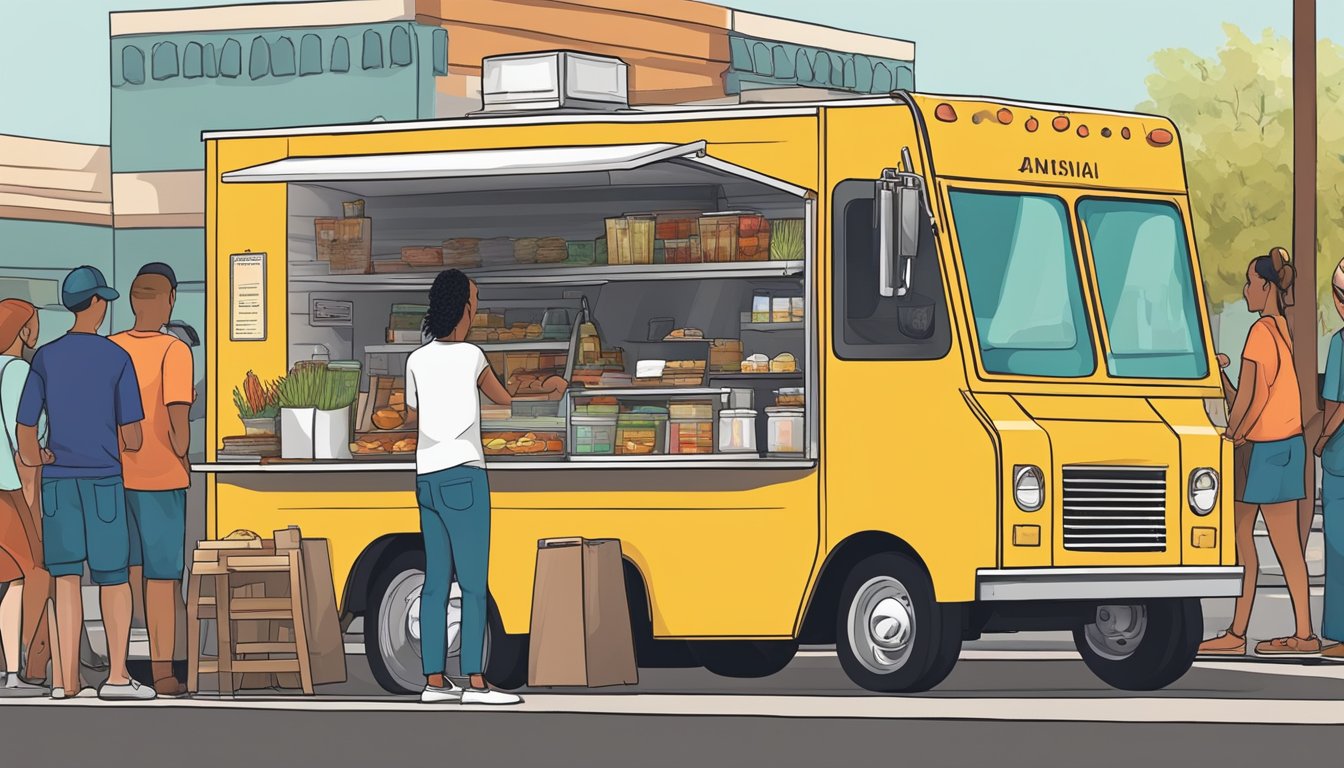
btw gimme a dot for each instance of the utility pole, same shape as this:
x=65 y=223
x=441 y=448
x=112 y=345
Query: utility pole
x=1302 y=316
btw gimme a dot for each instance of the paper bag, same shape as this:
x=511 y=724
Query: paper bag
x=580 y=631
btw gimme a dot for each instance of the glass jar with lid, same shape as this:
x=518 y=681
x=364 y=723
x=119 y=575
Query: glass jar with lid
x=737 y=431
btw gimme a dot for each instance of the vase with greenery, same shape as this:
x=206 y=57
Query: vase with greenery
x=315 y=400
x=258 y=404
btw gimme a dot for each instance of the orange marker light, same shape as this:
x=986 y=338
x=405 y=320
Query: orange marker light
x=1124 y=134
x=1082 y=131
x=946 y=113
x=1159 y=137
x=1005 y=116
x=1061 y=123
x=1032 y=125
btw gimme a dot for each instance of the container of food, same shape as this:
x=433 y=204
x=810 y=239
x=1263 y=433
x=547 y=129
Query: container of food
x=580 y=252
x=757 y=363
x=718 y=237
x=690 y=436
x=796 y=309
x=676 y=225
x=641 y=434
x=630 y=240
x=786 y=240
x=789 y=397
x=352 y=209
x=725 y=355
x=592 y=435
x=691 y=410
x=784 y=430
x=534 y=443
x=682 y=250
x=737 y=431
x=742 y=399
x=753 y=237
x=784 y=362
x=780 y=309
x=760 y=307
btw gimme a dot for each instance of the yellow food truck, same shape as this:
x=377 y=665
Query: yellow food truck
x=884 y=373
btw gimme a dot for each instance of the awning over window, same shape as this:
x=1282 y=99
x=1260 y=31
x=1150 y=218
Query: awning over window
x=475 y=163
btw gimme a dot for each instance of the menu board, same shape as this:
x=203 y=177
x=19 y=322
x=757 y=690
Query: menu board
x=247 y=297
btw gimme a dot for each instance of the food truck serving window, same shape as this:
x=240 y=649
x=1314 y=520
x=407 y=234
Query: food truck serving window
x=871 y=327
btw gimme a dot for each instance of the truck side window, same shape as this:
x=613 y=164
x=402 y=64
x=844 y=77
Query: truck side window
x=869 y=326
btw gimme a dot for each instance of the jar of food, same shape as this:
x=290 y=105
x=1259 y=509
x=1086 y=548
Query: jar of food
x=796 y=309
x=760 y=307
x=789 y=397
x=784 y=429
x=737 y=431
x=780 y=309
x=640 y=434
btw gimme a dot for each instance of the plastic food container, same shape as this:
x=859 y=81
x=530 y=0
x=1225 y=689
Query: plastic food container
x=640 y=434
x=796 y=310
x=753 y=237
x=760 y=307
x=592 y=435
x=789 y=397
x=690 y=436
x=718 y=237
x=737 y=431
x=784 y=429
x=630 y=240
x=742 y=399
x=676 y=225
x=691 y=410
x=682 y=250
x=787 y=240
x=352 y=209
x=780 y=309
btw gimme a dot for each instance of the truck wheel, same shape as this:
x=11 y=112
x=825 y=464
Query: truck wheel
x=392 y=632
x=745 y=658
x=1144 y=646
x=891 y=635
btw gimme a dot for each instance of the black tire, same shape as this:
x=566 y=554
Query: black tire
x=1160 y=656
x=396 y=665
x=745 y=658
x=934 y=641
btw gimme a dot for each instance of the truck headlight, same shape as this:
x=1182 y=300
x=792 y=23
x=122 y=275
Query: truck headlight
x=1028 y=487
x=1203 y=490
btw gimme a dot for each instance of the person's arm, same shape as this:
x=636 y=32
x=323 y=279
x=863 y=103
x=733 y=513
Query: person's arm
x=1334 y=417
x=32 y=403
x=1246 y=408
x=1229 y=389
x=489 y=384
x=129 y=410
x=178 y=392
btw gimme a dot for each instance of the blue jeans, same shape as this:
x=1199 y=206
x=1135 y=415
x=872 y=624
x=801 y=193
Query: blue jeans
x=455 y=520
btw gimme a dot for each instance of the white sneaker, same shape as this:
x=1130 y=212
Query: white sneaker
x=16 y=683
x=490 y=697
x=84 y=693
x=436 y=695
x=131 y=691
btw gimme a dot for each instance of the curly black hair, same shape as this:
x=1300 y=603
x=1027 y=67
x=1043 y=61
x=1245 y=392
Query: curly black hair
x=448 y=299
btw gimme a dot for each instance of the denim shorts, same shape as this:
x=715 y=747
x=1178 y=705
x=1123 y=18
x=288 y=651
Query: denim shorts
x=84 y=520
x=157 y=522
x=1277 y=472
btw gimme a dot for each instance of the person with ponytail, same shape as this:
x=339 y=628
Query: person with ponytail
x=1265 y=424
x=444 y=380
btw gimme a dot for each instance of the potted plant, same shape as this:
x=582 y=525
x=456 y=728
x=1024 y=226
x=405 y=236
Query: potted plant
x=258 y=405
x=331 y=418
x=298 y=393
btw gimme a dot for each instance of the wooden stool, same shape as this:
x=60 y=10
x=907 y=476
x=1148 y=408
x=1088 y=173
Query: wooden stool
x=226 y=610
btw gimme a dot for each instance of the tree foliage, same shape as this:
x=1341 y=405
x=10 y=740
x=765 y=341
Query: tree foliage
x=1235 y=115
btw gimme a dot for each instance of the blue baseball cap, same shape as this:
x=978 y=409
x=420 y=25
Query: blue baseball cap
x=82 y=284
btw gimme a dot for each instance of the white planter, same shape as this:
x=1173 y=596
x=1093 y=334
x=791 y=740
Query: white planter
x=331 y=434
x=296 y=433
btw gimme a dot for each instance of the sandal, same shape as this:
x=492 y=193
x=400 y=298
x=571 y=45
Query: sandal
x=1290 y=646
x=1226 y=643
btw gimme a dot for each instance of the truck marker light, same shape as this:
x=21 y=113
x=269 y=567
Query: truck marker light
x=1005 y=116
x=1105 y=133
x=1124 y=134
x=1159 y=137
x=1204 y=538
x=1082 y=131
x=1032 y=124
x=1026 y=535
x=946 y=113
x=1061 y=123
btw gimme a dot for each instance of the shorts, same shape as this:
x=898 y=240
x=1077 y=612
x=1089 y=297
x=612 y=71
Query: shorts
x=84 y=520
x=1277 y=472
x=157 y=523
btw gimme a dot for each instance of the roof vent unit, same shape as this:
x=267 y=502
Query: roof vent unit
x=553 y=81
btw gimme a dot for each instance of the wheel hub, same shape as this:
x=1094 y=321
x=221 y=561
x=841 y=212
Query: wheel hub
x=1117 y=630
x=881 y=624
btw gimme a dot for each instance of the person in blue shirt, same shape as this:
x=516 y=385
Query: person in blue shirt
x=86 y=385
x=1330 y=447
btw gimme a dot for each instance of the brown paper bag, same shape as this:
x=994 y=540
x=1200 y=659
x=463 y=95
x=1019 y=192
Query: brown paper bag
x=580 y=631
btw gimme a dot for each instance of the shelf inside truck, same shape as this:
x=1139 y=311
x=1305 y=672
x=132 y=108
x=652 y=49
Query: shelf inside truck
x=552 y=275
x=712 y=461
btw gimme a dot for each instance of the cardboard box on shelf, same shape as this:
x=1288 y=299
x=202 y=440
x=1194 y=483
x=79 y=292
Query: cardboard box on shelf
x=346 y=244
x=580 y=632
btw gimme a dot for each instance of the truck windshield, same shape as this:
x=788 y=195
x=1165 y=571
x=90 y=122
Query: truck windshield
x=1146 y=283
x=1023 y=277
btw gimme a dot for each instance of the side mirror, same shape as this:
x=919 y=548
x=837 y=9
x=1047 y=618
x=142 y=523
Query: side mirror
x=899 y=201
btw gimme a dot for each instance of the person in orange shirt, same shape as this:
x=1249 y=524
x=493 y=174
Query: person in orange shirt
x=1266 y=418
x=156 y=476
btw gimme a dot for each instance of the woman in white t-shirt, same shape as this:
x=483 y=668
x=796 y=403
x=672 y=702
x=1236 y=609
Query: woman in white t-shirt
x=444 y=379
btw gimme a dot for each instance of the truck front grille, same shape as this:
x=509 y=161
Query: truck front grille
x=1108 y=509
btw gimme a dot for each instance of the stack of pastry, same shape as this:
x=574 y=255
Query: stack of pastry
x=552 y=250
x=462 y=252
x=496 y=252
x=525 y=250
